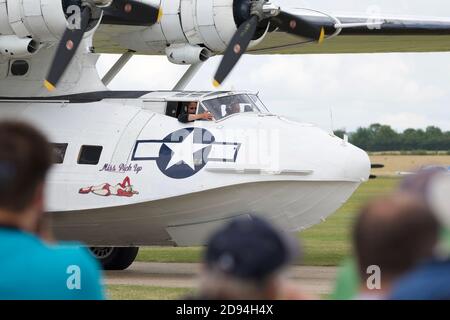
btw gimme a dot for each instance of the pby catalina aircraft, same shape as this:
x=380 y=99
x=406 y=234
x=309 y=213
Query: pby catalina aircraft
x=127 y=172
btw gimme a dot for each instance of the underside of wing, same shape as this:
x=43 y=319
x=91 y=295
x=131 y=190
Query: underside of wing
x=357 y=35
x=363 y=35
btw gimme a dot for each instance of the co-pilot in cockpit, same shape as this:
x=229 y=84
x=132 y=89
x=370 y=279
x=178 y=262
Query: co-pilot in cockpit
x=226 y=106
x=221 y=107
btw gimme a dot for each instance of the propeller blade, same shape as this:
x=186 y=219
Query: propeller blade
x=297 y=26
x=236 y=48
x=66 y=50
x=131 y=12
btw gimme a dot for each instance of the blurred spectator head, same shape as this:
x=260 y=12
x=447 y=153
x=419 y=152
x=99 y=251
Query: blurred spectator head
x=25 y=158
x=431 y=280
x=439 y=198
x=419 y=182
x=394 y=233
x=245 y=259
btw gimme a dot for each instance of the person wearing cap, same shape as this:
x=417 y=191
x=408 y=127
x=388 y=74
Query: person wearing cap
x=431 y=280
x=32 y=266
x=246 y=260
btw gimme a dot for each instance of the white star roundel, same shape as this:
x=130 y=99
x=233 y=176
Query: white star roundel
x=185 y=152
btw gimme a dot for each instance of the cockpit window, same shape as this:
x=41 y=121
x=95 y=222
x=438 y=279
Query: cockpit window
x=226 y=106
x=258 y=103
x=201 y=109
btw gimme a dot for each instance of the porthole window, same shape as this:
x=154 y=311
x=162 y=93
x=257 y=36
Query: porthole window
x=19 y=67
x=59 y=152
x=90 y=155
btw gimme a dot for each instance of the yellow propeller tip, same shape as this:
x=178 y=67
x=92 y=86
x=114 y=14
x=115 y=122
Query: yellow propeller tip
x=49 y=86
x=160 y=14
x=216 y=84
x=322 y=35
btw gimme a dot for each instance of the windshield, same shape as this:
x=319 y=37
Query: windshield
x=226 y=106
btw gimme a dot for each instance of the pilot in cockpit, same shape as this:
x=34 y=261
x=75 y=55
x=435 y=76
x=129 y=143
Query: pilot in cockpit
x=189 y=114
x=233 y=108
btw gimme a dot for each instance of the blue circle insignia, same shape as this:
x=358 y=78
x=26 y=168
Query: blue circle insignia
x=185 y=152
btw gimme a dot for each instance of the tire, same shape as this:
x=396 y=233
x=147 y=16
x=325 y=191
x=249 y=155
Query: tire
x=115 y=258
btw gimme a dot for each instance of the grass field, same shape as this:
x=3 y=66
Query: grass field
x=325 y=244
x=396 y=163
x=128 y=292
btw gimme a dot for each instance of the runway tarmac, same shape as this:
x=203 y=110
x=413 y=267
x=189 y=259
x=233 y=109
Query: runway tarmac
x=313 y=280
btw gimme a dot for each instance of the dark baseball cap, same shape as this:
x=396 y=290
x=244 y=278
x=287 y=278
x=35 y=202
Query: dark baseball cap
x=250 y=248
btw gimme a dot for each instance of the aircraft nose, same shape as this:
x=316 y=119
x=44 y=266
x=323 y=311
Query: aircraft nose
x=327 y=157
x=357 y=165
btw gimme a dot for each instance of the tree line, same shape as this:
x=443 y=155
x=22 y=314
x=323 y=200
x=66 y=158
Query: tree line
x=379 y=137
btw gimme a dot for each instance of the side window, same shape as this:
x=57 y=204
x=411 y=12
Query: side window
x=173 y=109
x=90 y=155
x=59 y=152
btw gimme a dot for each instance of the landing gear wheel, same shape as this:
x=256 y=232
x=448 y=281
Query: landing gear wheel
x=115 y=258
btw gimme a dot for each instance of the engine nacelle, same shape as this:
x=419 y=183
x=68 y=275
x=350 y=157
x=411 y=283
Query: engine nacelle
x=213 y=23
x=208 y=22
x=42 y=20
x=199 y=23
x=187 y=54
x=15 y=47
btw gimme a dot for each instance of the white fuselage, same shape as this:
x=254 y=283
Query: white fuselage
x=159 y=181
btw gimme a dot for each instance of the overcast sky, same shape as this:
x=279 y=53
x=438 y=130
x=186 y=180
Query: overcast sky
x=402 y=90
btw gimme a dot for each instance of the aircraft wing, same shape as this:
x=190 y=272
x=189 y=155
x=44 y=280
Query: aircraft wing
x=364 y=35
x=394 y=34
